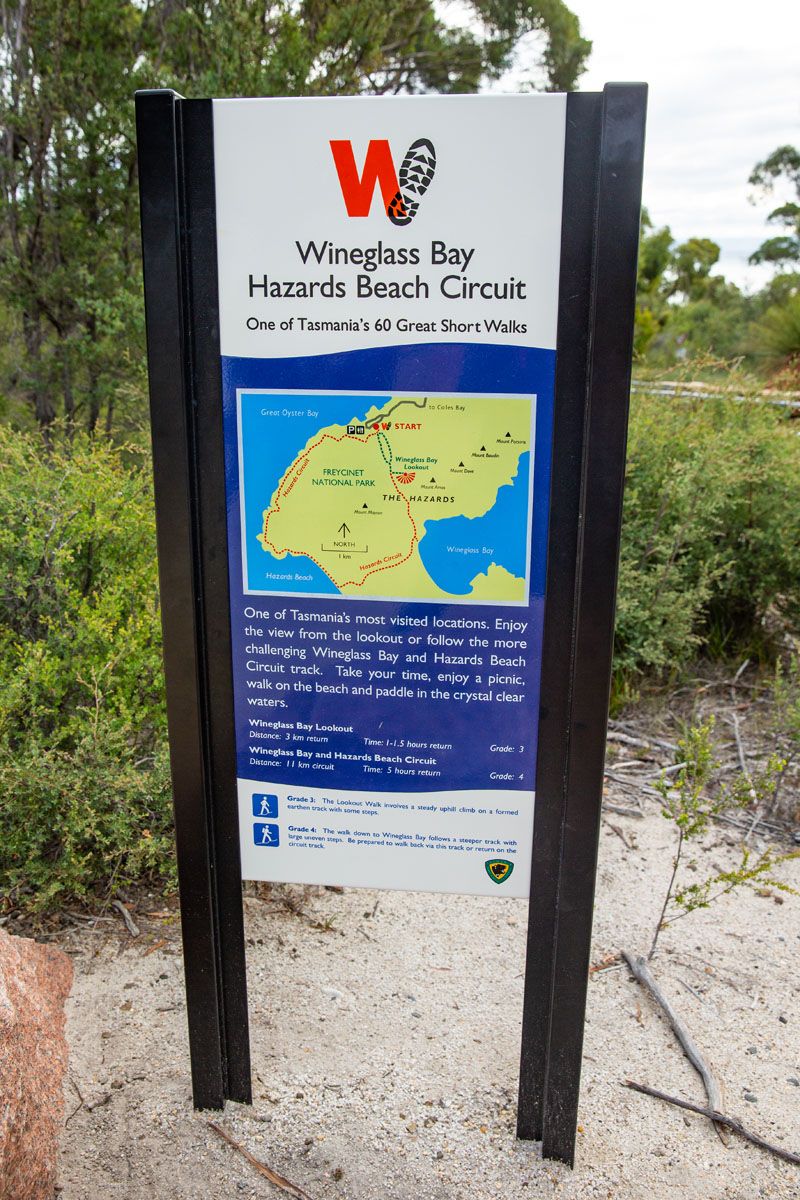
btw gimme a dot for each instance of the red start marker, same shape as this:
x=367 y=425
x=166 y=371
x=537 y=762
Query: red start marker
x=376 y=426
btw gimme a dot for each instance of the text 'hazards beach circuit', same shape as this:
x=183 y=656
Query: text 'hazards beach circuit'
x=417 y=497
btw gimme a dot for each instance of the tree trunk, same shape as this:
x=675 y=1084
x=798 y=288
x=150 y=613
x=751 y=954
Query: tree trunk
x=39 y=398
x=66 y=384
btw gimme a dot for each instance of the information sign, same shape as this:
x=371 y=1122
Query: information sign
x=388 y=316
x=389 y=345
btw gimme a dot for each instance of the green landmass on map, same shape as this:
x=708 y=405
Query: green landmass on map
x=496 y=583
x=356 y=498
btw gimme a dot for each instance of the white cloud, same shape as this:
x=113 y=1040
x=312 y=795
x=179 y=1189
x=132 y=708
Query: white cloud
x=724 y=92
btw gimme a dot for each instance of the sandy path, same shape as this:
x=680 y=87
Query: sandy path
x=385 y=1050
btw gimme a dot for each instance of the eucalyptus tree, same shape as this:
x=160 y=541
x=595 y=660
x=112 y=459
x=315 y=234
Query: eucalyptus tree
x=776 y=335
x=781 y=166
x=70 y=291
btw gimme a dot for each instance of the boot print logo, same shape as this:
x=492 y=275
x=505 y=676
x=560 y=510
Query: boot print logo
x=400 y=192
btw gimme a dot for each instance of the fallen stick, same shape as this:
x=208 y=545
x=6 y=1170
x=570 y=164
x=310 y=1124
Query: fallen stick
x=606 y=963
x=718 y=1118
x=770 y=826
x=621 y=835
x=623 y=764
x=619 y=728
x=644 y=975
x=130 y=924
x=75 y=1111
x=740 y=750
x=622 y=810
x=743 y=768
x=747 y=753
x=671 y=770
x=262 y=1168
x=614 y=735
x=635 y=784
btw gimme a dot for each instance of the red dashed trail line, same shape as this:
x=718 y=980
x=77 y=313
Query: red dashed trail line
x=287 y=486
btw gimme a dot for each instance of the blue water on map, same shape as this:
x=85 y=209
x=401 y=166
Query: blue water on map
x=456 y=549
x=274 y=429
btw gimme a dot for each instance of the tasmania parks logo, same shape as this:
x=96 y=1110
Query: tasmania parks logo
x=498 y=869
x=401 y=191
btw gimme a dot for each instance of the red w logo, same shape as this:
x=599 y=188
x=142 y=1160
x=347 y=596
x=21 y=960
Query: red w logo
x=358 y=191
x=401 y=195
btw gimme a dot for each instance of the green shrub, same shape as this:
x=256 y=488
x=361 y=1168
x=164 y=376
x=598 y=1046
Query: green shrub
x=777 y=335
x=711 y=529
x=84 y=789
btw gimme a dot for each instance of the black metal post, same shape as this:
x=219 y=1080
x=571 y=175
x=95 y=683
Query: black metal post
x=572 y=365
x=179 y=250
x=201 y=255
x=611 y=343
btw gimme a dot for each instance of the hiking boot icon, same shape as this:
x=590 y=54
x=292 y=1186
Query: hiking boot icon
x=416 y=172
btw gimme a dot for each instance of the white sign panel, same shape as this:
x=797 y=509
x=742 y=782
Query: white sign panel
x=388 y=302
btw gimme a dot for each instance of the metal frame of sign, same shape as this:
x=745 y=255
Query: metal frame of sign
x=602 y=197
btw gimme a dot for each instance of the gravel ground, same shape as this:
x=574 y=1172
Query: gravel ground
x=385 y=1037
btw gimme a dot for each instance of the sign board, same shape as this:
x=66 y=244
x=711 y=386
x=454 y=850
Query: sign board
x=389 y=350
x=388 y=373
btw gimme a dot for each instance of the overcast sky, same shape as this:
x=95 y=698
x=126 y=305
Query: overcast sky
x=724 y=82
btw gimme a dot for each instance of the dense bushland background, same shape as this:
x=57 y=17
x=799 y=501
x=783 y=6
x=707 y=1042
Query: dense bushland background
x=710 y=560
x=711 y=539
x=710 y=565
x=84 y=781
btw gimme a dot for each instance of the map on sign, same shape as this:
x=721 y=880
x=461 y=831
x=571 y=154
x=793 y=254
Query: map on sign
x=410 y=497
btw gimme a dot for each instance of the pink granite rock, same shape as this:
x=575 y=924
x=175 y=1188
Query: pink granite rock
x=34 y=983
